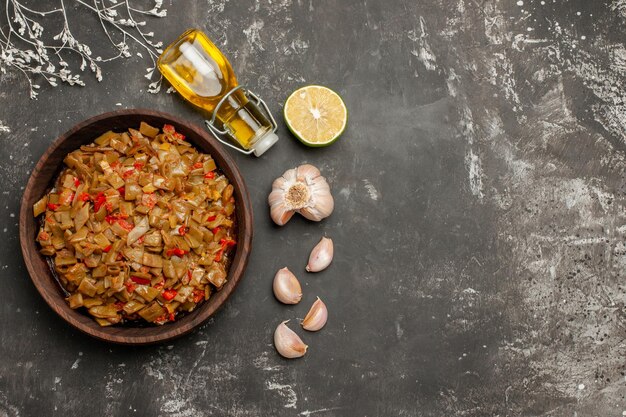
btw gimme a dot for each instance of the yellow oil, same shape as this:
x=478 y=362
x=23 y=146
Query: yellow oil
x=199 y=71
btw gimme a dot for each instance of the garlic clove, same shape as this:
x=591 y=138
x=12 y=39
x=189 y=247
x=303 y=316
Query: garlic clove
x=287 y=287
x=280 y=213
x=307 y=172
x=321 y=255
x=321 y=210
x=325 y=204
x=300 y=190
x=288 y=343
x=316 y=317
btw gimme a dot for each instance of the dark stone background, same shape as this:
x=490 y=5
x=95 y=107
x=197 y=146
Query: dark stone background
x=479 y=226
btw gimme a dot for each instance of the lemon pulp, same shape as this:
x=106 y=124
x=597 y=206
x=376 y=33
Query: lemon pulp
x=316 y=115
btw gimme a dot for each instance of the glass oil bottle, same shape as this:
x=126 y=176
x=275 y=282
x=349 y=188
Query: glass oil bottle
x=198 y=70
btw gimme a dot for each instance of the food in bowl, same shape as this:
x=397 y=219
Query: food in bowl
x=139 y=226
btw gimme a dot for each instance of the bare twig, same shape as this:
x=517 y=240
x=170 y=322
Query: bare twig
x=25 y=48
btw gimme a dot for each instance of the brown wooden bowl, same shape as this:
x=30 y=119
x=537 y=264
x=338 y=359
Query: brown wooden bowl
x=49 y=167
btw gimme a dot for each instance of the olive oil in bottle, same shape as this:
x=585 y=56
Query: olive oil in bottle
x=201 y=74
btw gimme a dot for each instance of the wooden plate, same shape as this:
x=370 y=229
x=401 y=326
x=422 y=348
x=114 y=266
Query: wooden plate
x=46 y=171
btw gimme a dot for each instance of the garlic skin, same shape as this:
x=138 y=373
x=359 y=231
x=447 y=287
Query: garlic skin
x=316 y=317
x=321 y=256
x=288 y=343
x=300 y=190
x=286 y=287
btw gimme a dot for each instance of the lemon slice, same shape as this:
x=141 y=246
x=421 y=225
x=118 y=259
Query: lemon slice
x=316 y=115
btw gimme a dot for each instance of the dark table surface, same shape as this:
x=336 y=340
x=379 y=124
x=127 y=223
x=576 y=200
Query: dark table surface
x=479 y=226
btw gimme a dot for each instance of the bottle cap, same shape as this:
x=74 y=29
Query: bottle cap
x=264 y=143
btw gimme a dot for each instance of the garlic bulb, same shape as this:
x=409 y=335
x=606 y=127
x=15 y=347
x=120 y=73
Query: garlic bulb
x=288 y=343
x=316 y=317
x=321 y=255
x=287 y=287
x=302 y=190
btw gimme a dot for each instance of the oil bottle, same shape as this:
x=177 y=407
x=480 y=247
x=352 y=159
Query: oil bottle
x=198 y=70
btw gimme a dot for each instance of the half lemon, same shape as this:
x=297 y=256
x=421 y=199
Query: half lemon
x=316 y=115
